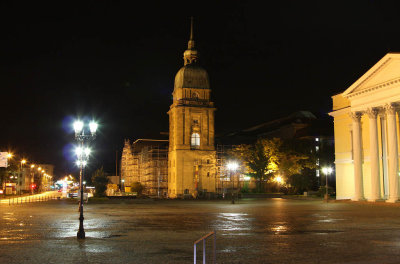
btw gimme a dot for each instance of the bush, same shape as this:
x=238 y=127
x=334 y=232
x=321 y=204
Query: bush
x=137 y=187
x=100 y=182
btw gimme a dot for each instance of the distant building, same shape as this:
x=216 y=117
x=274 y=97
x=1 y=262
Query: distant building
x=366 y=134
x=299 y=126
x=145 y=161
x=44 y=179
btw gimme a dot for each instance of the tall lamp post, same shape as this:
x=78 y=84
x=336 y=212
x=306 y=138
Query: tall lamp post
x=327 y=171
x=232 y=167
x=83 y=153
x=23 y=161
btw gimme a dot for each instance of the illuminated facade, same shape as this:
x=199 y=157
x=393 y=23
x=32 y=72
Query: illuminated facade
x=145 y=161
x=366 y=124
x=191 y=167
x=192 y=155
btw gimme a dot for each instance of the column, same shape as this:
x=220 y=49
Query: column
x=393 y=154
x=357 y=159
x=374 y=154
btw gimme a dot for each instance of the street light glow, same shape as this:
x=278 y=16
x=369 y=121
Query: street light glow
x=278 y=179
x=23 y=161
x=80 y=163
x=232 y=166
x=87 y=151
x=93 y=127
x=9 y=155
x=78 y=126
x=33 y=166
x=327 y=170
x=79 y=151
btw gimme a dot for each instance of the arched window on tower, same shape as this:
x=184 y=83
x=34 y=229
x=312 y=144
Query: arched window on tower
x=195 y=141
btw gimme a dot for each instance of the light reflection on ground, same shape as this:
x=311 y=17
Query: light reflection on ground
x=233 y=222
x=257 y=231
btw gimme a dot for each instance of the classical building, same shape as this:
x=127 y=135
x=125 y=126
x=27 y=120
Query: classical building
x=192 y=155
x=366 y=129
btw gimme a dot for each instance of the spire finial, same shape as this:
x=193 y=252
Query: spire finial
x=191 y=40
x=191 y=28
x=190 y=55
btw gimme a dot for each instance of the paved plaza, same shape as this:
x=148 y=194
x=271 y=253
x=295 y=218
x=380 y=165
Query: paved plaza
x=251 y=231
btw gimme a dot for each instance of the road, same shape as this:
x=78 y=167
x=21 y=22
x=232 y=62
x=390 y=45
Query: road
x=251 y=231
x=31 y=198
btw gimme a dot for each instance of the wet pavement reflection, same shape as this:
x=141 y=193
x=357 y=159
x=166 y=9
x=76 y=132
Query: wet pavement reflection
x=250 y=231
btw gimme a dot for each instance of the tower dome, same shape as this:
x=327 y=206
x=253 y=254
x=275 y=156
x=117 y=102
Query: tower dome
x=191 y=75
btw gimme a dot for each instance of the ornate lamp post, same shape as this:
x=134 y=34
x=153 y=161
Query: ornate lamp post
x=83 y=153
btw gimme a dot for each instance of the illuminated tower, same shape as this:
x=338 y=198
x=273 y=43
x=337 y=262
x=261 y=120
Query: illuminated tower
x=191 y=159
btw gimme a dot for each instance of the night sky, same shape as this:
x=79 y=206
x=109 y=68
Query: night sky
x=116 y=61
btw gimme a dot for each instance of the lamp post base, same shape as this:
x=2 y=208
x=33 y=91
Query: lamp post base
x=81 y=234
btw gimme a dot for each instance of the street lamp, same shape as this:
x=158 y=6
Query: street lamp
x=327 y=171
x=232 y=167
x=23 y=161
x=32 y=172
x=82 y=153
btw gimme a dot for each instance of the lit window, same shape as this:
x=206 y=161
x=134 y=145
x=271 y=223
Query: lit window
x=317 y=173
x=195 y=141
x=316 y=148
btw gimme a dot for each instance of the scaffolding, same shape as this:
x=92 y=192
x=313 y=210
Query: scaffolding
x=146 y=161
x=153 y=169
x=222 y=179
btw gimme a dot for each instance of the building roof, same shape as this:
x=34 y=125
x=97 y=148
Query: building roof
x=192 y=76
x=141 y=143
x=300 y=124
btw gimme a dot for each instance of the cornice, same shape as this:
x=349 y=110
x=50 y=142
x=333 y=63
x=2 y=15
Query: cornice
x=375 y=87
x=372 y=74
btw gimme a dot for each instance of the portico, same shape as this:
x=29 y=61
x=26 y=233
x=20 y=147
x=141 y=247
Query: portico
x=366 y=124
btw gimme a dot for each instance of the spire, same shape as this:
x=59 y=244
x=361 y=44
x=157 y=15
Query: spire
x=190 y=55
x=191 y=40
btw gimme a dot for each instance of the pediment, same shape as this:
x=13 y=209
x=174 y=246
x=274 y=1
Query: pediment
x=384 y=73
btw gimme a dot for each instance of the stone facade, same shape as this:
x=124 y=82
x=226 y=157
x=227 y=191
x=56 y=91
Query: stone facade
x=191 y=166
x=366 y=127
x=192 y=155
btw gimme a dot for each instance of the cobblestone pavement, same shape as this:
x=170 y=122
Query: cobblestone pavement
x=252 y=231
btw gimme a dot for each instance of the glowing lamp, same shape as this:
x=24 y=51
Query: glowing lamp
x=93 y=127
x=232 y=166
x=78 y=126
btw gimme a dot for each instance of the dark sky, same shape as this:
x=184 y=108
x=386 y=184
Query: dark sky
x=115 y=61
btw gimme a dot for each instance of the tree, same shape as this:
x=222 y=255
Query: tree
x=268 y=157
x=100 y=181
x=259 y=158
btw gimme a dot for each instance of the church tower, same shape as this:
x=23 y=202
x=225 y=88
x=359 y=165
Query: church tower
x=192 y=156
